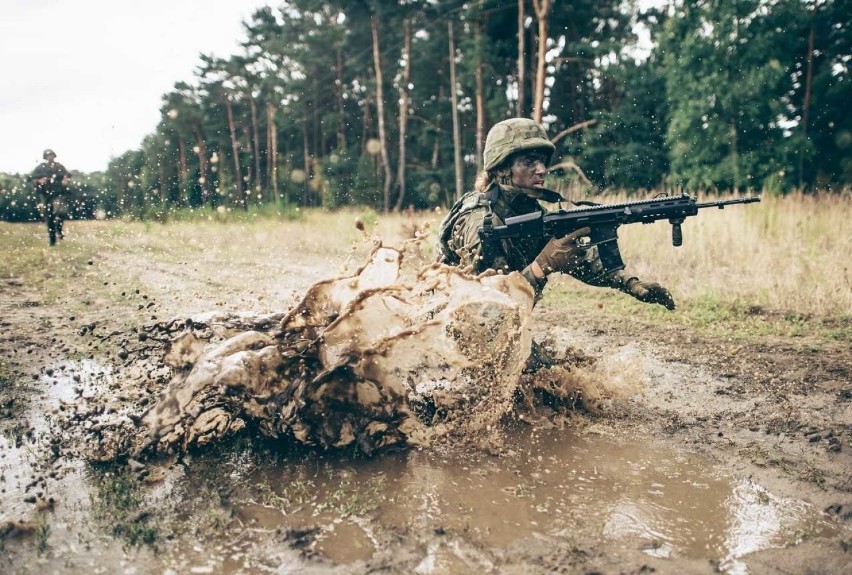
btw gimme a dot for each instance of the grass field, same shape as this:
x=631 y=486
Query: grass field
x=781 y=265
x=778 y=266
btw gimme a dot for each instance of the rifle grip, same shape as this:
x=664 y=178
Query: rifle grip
x=677 y=234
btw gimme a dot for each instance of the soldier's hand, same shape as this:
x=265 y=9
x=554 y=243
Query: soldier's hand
x=562 y=254
x=650 y=292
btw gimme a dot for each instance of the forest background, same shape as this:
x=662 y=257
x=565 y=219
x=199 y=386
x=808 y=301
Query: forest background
x=386 y=104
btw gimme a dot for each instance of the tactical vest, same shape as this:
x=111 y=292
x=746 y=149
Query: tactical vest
x=466 y=204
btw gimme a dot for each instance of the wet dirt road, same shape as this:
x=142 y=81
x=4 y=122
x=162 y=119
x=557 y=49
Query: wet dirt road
x=662 y=473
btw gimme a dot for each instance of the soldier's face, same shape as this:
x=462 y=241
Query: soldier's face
x=528 y=170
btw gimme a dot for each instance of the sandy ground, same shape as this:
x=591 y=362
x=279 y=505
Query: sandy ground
x=767 y=412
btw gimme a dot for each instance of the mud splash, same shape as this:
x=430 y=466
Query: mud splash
x=367 y=361
x=447 y=509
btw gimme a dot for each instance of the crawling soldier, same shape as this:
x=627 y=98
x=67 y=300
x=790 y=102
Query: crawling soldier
x=517 y=153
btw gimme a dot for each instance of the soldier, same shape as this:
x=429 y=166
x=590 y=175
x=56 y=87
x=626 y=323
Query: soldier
x=50 y=179
x=517 y=153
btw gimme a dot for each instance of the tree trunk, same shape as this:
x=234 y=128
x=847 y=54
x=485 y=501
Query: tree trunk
x=806 y=105
x=202 y=163
x=735 y=157
x=288 y=173
x=272 y=152
x=247 y=178
x=341 y=111
x=542 y=10
x=367 y=125
x=183 y=175
x=436 y=145
x=480 y=96
x=404 y=99
x=520 y=107
x=317 y=149
x=268 y=136
x=256 y=142
x=162 y=186
x=306 y=155
x=380 y=112
x=455 y=112
x=235 y=149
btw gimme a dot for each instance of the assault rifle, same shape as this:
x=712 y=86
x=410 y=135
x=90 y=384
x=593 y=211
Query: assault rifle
x=604 y=219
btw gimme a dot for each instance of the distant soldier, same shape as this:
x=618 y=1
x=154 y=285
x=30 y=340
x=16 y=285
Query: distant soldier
x=50 y=180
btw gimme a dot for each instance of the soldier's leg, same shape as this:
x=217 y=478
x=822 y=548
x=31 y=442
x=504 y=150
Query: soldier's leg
x=59 y=215
x=49 y=216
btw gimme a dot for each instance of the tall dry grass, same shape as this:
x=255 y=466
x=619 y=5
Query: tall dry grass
x=789 y=253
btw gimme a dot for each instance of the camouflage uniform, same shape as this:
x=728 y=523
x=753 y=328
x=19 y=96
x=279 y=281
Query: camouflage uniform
x=51 y=194
x=460 y=244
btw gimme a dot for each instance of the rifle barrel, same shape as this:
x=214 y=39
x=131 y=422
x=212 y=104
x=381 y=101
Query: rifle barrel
x=723 y=203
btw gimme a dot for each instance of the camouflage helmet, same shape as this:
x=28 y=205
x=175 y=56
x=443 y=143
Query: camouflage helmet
x=48 y=152
x=514 y=135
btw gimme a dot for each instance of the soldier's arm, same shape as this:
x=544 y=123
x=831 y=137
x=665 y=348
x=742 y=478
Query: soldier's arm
x=60 y=170
x=591 y=271
x=39 y=173
x=61 y=175
x=468 y=245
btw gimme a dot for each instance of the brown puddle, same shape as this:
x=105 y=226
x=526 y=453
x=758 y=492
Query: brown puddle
x=556 y=485
x=442 y=505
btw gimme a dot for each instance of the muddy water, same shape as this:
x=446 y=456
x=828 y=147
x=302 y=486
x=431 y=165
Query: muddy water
x=553 y=484
x=21 y=452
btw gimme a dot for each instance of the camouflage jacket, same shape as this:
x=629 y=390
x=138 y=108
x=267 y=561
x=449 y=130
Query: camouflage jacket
x=459 y=243
x=54 y=173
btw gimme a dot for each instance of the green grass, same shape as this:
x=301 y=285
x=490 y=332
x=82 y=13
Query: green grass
x=223 y=214
x=118 y=502
x=706 y=313
x=41 y=535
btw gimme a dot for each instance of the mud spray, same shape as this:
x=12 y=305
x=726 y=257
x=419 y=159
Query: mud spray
x=366 y=361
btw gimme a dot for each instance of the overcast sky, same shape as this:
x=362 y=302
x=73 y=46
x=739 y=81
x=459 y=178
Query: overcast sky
x=84 y=77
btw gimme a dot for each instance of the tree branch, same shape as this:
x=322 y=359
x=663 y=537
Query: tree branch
x=573 y=128
x=570 y=165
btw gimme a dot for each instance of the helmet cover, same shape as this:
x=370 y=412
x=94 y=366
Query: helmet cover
x=514 y=135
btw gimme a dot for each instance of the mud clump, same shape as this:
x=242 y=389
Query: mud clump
x=366 y=361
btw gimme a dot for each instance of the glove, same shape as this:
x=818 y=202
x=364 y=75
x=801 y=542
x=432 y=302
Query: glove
x=649 y=292
x=562 y=254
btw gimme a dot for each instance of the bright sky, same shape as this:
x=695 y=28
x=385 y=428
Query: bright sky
x=85 y=77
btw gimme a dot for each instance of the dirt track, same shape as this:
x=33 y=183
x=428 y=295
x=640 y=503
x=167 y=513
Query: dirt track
x=769 y=412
